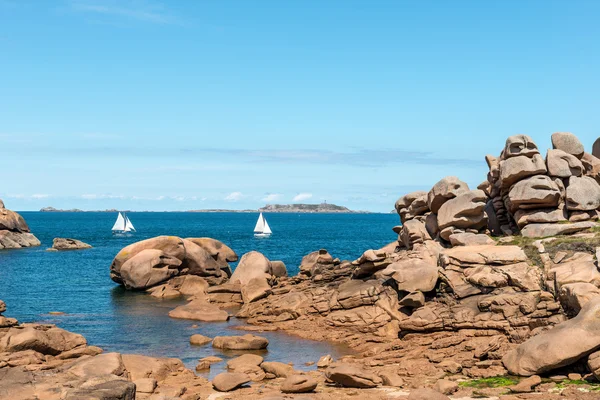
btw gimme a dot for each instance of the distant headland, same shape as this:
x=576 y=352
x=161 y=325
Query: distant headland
x=270 y=208
x=52 y=209
x=294 y=208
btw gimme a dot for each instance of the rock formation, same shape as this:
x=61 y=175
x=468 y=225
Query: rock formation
x=69 y=244
x=14 y=231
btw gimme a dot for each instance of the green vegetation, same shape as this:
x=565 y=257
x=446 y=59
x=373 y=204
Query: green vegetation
x=570 y=245
x=591 y=386
x=493 y=382
x=528 y=248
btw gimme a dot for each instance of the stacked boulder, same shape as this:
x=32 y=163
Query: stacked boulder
x=149 y=263
x=449 y=208
x=14 y=231
x=531 y=195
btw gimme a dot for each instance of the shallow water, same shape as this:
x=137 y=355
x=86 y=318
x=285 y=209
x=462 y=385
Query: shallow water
x=34 y=282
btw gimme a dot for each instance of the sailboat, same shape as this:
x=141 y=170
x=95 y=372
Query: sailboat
x=123 y=225
x=262 y=228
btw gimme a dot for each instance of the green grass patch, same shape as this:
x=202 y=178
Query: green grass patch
x=528 y=248
x=493 y=382
x=571 y=245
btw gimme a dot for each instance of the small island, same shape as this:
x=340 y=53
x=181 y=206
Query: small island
x=307 y=208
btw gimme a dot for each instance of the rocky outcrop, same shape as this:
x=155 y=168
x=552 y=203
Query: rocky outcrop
x=148 y=263
x=14 y=231
x=60 y=244
x=560 y=346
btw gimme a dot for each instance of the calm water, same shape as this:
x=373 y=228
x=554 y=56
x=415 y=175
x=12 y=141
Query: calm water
x=34 y=282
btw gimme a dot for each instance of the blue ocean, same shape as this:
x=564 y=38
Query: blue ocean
x=34 y=282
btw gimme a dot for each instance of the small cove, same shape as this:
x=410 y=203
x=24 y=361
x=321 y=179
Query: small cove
x=34 y=282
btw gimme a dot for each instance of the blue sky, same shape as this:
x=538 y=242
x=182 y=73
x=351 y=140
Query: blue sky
x=178 y=105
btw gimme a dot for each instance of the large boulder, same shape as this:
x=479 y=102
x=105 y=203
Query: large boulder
x=519 y=145
x=413 y=275
x=255 y=289
x=148 y=268
x=534 y=192
x=547 y=230
x=222 y=253
x=170 y=245
x=563 y=165
x=107 y=387
x=200 y=310
x=198 y=261
x=299 y=384
x=560 y=346
x=15 y=240
x=139 y=366
x=516 y=168
x=413 y=232
x=11 y=221
x=352 y=376
x=481 y=255
x=102 y=364
x=52 y=341
x=579 y=268
x=446 y=189
x=574 y=296
x=252 y=265
x=404 y=205
x=568 y=143
x=245 y=342
x=228 y=381
x=542 y=215
x=465 y=211
x=583 y=194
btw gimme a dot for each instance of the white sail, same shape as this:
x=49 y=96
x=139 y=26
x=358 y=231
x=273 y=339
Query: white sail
x=260 y=224
x=267 y=228
x=128 y=225
x=120 y=224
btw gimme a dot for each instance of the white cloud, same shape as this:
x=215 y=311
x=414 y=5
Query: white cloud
x=91 y=196
x=234 y=196
x=39 y=196
x=302 y=196
x=271 y=197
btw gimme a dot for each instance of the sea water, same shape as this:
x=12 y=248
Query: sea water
x=35 y=282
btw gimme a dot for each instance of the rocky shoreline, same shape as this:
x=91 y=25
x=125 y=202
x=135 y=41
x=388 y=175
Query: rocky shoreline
x=487 y=293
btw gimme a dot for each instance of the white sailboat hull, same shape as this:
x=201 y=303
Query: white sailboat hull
x=262 y=235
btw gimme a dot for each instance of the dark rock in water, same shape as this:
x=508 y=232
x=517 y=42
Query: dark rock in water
x=69 y=244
